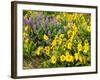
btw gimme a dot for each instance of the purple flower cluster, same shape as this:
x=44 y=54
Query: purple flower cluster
x=28 y=21
x=39 y=20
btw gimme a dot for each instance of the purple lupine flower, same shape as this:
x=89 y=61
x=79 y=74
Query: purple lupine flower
x=54 y=22
x=35 y=29
x=40 y=15
x=30 y=21
x=37 y=25
x=46 y=21
x=25 y=21
x=37 y=16
x=49 y=32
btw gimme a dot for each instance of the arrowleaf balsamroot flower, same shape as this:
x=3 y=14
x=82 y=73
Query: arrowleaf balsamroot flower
x=47 y=50
x=54 y=42
x=69 y=25
x=69 y=45
x=86 y=47
x=89 y=28
x=76 y=56
x=26 y=27
x=25 y=34
x=69 y=17
x=40 y=48
x=53 y=59
x=81 y=59
x=26 y=40
x=45 y=37
x=62 y=58
x=69 y=33
x=59 y=41
x=61 y=35
x=69 y=57
x=79 y=47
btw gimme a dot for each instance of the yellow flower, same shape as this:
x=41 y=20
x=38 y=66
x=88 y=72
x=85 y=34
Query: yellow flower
x=79 y=47
x=83 y=19
x=74 y=27
x=69 y=33
x=75 y=16
x=26 y=16
x=61 y=35
x=89 y=29
x=62 y=58
x=86 y=48
x=58 y=17
x=40 y=48
x=51 y=47
x=26 y=28
x=72 y=58
x=69 y=45
x=73 y=33
x=59 y=41
x=26 y=40
x=30 y=12
x=47 y=50
x=53 y=59
x=76 y=56
x=54 y=42
x=69 y=17
x=81 y=59
x=69 y=58
x=25 y=34
x=69 y=25
x=45 y=37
